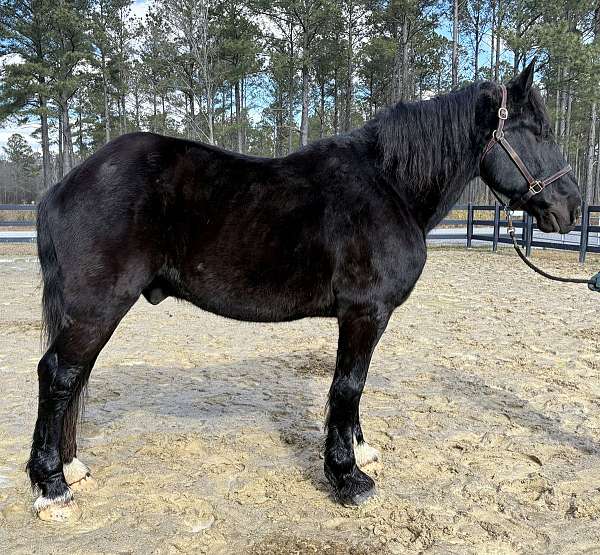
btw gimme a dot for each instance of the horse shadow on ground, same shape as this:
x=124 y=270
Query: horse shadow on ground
x=482 y=396
x=283 y=397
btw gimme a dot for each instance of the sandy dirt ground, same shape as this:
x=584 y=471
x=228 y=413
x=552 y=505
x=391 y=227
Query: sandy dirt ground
x=205 y=434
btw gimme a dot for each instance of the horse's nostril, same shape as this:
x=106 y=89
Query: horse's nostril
x=577 y=213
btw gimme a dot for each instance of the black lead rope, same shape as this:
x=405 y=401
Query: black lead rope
x=593 y=283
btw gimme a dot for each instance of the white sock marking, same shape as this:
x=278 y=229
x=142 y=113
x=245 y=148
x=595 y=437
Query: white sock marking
x=364 y=453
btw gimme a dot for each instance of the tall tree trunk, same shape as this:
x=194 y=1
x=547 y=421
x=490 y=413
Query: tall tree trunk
x=557 y=104
x=136 y=97
x=291 y=88
x=455 y=44
x=477 y=45
x=106 y=101
x=589 y=192
x=304 y=118
x=244 y=112
x=322 y=114
x=210 y=113
x=238 y=117
x=45 y=142
x=67 y=151
x=500 y=17
x=153 y=127
x=405 y=94
x=563 y=113
x=568 y=123
x=492 y=38
x=193 y=133
x=61 y=167
x=336 y=104
x=349 y=68
x=124 y=112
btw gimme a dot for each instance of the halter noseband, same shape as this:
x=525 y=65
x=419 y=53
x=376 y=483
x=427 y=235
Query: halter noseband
x=535 y=185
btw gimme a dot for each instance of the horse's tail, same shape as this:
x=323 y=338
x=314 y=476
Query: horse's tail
x=53 y=304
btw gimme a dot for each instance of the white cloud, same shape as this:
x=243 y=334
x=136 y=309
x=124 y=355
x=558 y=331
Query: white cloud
x=25 y=130
x=140 y=8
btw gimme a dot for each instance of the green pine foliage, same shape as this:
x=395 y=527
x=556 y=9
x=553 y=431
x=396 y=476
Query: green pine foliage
x=265 y=77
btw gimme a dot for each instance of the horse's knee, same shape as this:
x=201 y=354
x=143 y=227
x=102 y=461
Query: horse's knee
x=47 y=369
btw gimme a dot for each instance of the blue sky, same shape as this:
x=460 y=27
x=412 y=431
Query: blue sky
x=139 y=9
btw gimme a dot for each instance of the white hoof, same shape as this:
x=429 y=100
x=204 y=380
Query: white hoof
x=78 y=477
x=365 y=454
x=60 y=509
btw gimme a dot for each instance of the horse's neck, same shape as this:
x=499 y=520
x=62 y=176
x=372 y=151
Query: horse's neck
x=434 y=202
x=430 y=151
x=434 y=209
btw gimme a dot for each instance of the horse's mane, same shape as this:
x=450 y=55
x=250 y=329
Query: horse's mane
x=420 y=142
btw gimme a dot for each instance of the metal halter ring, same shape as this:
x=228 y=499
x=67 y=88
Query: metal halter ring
x=503 y=113
x=536 y=187
x=498 y=134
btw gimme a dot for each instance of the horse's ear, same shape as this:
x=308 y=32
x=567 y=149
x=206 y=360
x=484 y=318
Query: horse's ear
x=522 y=83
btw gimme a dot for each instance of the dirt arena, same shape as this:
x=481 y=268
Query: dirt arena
x=205 y=434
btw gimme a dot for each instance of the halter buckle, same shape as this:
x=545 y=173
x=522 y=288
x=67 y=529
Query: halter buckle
x=536 y=187
x=503 y=113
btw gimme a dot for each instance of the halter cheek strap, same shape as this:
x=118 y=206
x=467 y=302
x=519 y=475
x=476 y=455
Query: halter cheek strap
x=535 y=185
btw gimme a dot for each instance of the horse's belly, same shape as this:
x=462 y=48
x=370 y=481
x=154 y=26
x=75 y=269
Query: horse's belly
x=257 y=296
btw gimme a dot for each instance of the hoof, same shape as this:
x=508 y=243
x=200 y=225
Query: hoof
x=353 y=489
x=78 y=477
x=87 y=483
x=62 y=509
x=365 y=454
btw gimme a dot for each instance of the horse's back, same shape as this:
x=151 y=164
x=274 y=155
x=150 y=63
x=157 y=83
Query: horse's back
x=249 y=238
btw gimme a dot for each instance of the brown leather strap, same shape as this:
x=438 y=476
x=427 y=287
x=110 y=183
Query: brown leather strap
x=535 y=185
x=517 y=160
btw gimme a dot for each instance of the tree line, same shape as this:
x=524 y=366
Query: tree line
x=268 y=76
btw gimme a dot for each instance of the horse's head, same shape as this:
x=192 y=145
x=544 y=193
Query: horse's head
x=522 y=160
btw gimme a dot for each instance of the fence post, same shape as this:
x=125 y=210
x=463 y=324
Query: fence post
x=528 y=235
x=469 y=224
x=496 y=226
x=585 y=224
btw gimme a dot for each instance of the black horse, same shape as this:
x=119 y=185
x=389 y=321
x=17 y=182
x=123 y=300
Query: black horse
x=336 y=229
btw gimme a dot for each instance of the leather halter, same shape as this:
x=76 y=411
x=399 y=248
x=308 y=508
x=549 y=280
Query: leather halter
x=535 y=185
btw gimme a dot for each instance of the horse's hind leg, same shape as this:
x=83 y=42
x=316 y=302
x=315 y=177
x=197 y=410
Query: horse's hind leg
x=77 y=474
x=62 y=373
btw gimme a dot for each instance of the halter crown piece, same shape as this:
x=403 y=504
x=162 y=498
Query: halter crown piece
x=535 y=185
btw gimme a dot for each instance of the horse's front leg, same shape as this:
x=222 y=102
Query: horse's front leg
x=360 y=330
x=363 y=452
